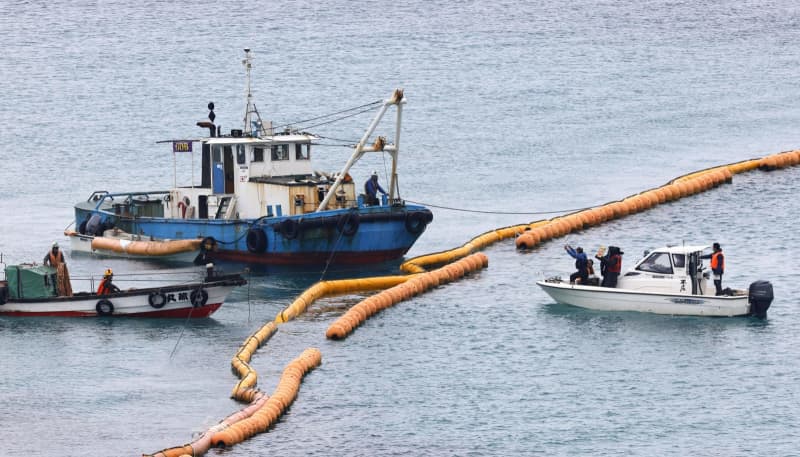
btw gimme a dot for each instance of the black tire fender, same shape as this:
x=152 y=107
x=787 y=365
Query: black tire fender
x=256 y=240
x=199 y=297
x=157 y=300
x=348 y=224
x=416 y=221
x=104 y=307
x=208 y=244
x=290 y=228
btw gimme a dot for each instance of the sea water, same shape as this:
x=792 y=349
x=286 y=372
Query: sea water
x=517 y=111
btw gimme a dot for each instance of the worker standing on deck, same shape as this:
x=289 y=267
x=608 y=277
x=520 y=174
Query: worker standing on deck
x=371 y=189
x=55 y=259
x=717 y=266
x=610 y=266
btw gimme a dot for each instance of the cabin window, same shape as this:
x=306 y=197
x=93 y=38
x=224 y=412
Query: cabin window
x=658 y=262
x=240 y=158
x=216 y=155
x=280 y=152
x=679 y=260
x=301 y=151
x=258 y=154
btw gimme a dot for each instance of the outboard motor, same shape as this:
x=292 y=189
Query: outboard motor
x=760 y=297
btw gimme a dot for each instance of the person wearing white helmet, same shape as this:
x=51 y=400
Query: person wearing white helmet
x=371 y=189
x=54 y=257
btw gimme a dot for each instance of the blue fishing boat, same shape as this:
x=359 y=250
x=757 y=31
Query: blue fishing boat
x=260 y=200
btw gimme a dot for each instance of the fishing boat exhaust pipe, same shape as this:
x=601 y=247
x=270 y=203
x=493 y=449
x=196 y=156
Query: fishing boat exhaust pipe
x=760 y=297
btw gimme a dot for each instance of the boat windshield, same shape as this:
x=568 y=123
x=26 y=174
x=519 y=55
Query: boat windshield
x=657 y=262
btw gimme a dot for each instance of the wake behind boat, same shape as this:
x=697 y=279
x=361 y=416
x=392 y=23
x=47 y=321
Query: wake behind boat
x=36 y=290
x=261 y=201
x=670 y=280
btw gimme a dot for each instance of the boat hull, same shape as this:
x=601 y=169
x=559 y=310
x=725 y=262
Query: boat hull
x=344 y=236
x=608 y=299
x=192 y=300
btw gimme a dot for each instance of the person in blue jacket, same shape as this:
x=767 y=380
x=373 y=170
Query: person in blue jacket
x=371 y=189
x=581 y=263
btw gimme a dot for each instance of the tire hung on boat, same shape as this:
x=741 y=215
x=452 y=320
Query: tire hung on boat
x=290 y=228
x=198 y=297
x=104 y=307
x=416 y=221
x=157 y=300
x=348 y=224
x=256 y=240
x=208 y=244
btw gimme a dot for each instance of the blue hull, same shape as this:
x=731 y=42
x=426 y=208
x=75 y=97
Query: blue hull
x=344 y=236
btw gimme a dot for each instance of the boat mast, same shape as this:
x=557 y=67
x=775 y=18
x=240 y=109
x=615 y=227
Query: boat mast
x=248 y=111
x=397 y=99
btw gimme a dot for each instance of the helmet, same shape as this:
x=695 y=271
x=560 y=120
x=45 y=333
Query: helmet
x=55 y=244
x=108 y=272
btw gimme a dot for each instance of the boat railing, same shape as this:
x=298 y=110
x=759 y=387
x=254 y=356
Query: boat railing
x=127 y=197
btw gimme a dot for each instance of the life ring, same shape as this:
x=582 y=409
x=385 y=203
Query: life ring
x=348 y=224
x=157 y=300
x=104 y=307
x=199 y=297
x=290 y=228
x=256 y=240
x=416 y=222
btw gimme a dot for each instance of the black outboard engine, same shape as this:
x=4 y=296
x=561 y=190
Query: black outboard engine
x=760 y=297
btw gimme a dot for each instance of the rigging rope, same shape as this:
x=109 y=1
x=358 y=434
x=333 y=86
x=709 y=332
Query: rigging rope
x=499 y=212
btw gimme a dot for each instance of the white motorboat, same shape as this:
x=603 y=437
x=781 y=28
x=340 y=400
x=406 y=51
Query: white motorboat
x=37 y=290
x=668 y=280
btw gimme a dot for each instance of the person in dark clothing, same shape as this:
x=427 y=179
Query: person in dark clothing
x=610 y=266
x=581 y=264
x=717 y=266
x=371 y=189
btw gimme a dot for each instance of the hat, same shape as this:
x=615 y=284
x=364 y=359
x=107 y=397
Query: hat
x=108 y=272
x=375 y=173
x=716 y=246
x=55 y=244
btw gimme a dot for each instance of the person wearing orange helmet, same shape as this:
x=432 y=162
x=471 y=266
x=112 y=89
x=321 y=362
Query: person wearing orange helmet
x=106 y=286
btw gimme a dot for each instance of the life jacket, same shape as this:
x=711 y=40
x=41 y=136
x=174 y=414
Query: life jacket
x=55 y=260
x=614 y=264
x=104 y=289
x=717 y=262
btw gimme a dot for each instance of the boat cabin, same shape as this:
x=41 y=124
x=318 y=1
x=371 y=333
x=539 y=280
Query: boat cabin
x=672 y=269
x=248 y=177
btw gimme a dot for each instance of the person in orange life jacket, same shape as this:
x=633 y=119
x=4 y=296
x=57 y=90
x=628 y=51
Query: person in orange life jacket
x=106 y=286
x=54 y=256
x=610 y=266
x=581 y=264
x=371 y=189
x=717 y=266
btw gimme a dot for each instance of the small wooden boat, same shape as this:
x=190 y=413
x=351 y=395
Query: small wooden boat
x=670 y=280
x=32 y=290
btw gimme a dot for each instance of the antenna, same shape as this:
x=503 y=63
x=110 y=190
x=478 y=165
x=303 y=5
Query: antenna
x=248 y=65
